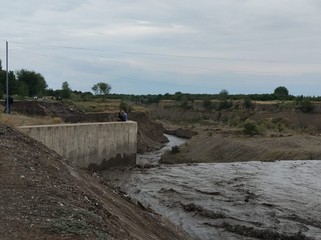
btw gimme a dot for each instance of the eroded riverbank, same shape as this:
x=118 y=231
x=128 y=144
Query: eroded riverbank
x=249 y=200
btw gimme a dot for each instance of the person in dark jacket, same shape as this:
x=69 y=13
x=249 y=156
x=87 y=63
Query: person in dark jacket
x=9 y=105
x=122 y=116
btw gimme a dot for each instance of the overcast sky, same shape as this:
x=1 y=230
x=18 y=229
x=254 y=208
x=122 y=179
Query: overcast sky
x=160 y=46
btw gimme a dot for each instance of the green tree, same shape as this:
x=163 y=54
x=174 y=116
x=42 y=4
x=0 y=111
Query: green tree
x=223 y=94
x=178 y=96
x=22 y=89
x=35 y=82
x=65 y=90
x=11 y=81
x=101 y=88
x=281 y=92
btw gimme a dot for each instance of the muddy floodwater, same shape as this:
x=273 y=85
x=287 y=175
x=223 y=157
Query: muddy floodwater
x=246 y=200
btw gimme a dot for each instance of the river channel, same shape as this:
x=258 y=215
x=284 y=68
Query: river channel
x=233 y=201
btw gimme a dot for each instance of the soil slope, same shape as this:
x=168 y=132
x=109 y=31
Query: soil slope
x=150 y=133
x=283 y=131
x=43 y=198
x=219 y=145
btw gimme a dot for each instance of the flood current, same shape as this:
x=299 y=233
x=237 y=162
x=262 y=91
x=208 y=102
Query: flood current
x=237 y=201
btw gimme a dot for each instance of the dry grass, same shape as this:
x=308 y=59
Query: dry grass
x=104 y=105
x=15 y=120
x=97 y=105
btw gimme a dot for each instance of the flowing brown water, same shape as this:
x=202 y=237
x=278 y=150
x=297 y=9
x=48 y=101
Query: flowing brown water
x=248 y=200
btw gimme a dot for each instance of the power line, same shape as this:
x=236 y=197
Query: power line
x=165 y=55
x=153 y=67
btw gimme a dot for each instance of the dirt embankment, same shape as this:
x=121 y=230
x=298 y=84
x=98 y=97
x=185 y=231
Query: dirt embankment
x=150 y=133
x=215 y=141
x=43 y=198
x=232 y=146
x=283 y=133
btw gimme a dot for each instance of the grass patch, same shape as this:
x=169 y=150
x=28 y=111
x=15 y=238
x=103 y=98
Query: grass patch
x=175 y=149
x=103 y=105
x=15 y=120
x=80 y=222
x=251 y=128
x=96 y=105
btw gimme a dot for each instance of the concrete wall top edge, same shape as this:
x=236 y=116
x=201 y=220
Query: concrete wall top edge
x=79 y=124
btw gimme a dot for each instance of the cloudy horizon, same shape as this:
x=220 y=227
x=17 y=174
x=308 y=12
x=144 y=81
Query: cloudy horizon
x=157 y=47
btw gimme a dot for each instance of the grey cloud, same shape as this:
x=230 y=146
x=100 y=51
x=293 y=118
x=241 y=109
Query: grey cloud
x=229 y=31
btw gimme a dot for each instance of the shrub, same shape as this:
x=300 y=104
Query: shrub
x=185 y=103
x=280 y=124
x=207 y=104
x=124 y=106
x=224 y=104
x=248 y=104
x=306 y=106
x=251 y=128
x=175 y=149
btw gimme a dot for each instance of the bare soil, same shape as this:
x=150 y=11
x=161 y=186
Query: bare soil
x=228 y=145
x=150 y=133
x=44 y=198
x=284 y=132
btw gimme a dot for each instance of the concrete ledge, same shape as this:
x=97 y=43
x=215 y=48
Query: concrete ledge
x=90 y=145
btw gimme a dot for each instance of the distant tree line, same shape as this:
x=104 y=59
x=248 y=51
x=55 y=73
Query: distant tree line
x=280 y=93
x=26 y=83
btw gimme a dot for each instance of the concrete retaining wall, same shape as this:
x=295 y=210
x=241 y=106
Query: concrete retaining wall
x=90 y=145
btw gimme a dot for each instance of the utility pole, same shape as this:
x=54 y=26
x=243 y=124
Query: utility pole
x=7 y=79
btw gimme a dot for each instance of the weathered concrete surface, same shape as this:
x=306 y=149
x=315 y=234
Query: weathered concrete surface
x=90 y=145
